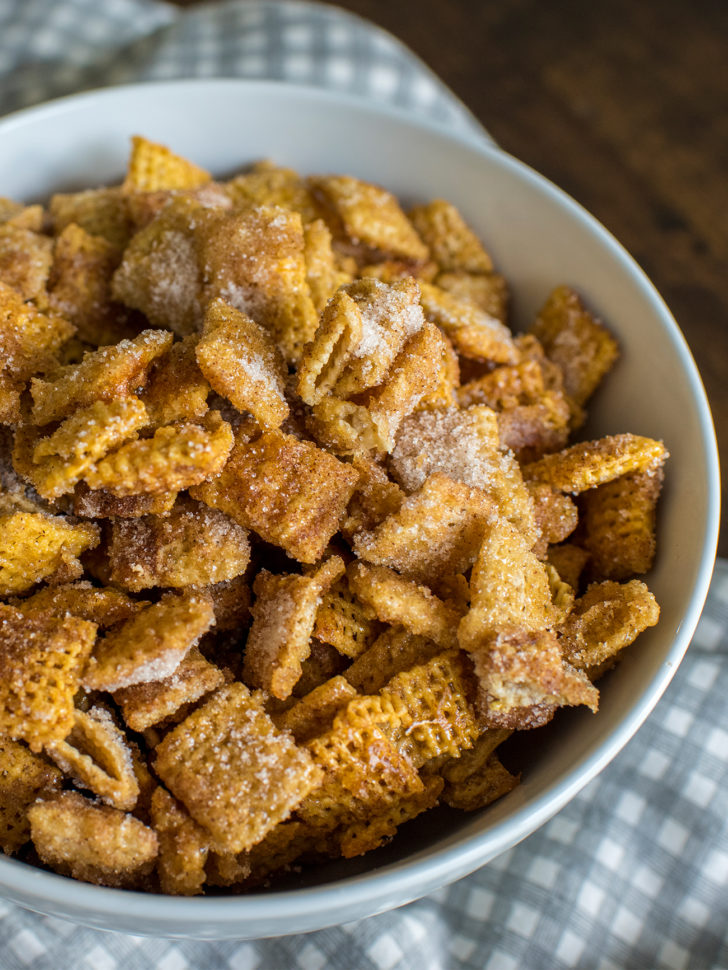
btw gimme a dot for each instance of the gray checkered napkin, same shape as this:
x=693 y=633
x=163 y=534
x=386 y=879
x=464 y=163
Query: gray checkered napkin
x=633 y=873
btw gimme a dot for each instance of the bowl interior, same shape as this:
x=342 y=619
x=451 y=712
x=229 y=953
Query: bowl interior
x=538 y=238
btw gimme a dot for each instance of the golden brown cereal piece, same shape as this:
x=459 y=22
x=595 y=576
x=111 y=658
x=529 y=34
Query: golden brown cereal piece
x=241 y=362
x=375 y=498
x=23 y=778
x=368 y=216
x=569 y=561
x=290 y=492
x=35 y=546
x=344 y=622
x=94 y=843
x=455 y=589
x=401 y=601
x=233 y=770
x=531 y=418
x=65 y=456
x=462 y=767
x=79 y=287
x=394 y=270
x=619 y=524
x=24 y=443
x=552 y=376
x=484 y=785
x=183 y=847
x=488 y=291
x=343 y=428
x=555 y=513
x=364 y=773
x=254 y=260
x=473 y=332
x=607 y=618
x=509 y=588
x=431 y=703
x=161 y=272
x=151 y=645
x=147 y=704
x=10 y=391
x=177 y=457
x=390 y=315
x=103 y=606
x=144 y=207
x=323 y=274
x=395 y=650
x=592 y=463
x=460 y=444
x=29 y=339
x=153 y=167
x=452 y=243
x=25 y=261
x=464 y=446
x=349 y=428
x=414 y=376
x=523 y=679
x=105 y=374
x=20 y=446
x=96 y=756
x=41 y=661
x=367 y=834
x=101 y=212
x=268 y=184
x=324 y=358
x=448 y=380
x=436 y=532
x=176 y=389
x=506 y=386
x=193 y=546
x=314 y=714
x=562 y=594
x=233 y=868
x=283 y=619
x=101 y=504
x=576 y=341
x=23 y=217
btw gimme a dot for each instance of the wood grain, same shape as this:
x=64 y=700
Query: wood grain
x=625 y=106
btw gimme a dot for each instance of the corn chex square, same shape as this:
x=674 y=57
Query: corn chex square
x=23 y=777
x=242 y=363
x=436 y=532
x=290 y=492
x=192 y=546
x=42 y=658
x=233 y=770
x=283 y=619
x=368 y=216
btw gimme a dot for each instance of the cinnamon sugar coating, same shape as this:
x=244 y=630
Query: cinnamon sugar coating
x=234 y=771
x=295 y=529
x=94 y=843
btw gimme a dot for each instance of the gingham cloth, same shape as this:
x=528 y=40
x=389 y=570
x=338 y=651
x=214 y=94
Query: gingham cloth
x=633 y=873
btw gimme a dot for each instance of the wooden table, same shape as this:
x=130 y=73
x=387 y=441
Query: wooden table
x=623 y=104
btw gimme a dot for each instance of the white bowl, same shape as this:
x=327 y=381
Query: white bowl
x=539 y=237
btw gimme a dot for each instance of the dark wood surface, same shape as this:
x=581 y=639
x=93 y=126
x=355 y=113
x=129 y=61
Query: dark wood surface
x=623 y=104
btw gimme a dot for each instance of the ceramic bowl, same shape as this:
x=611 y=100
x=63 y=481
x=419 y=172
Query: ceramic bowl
x=538 y=237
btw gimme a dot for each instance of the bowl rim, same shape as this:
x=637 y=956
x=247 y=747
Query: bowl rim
x=405 y=879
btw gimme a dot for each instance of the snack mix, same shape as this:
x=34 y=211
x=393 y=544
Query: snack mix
x=293 y=535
